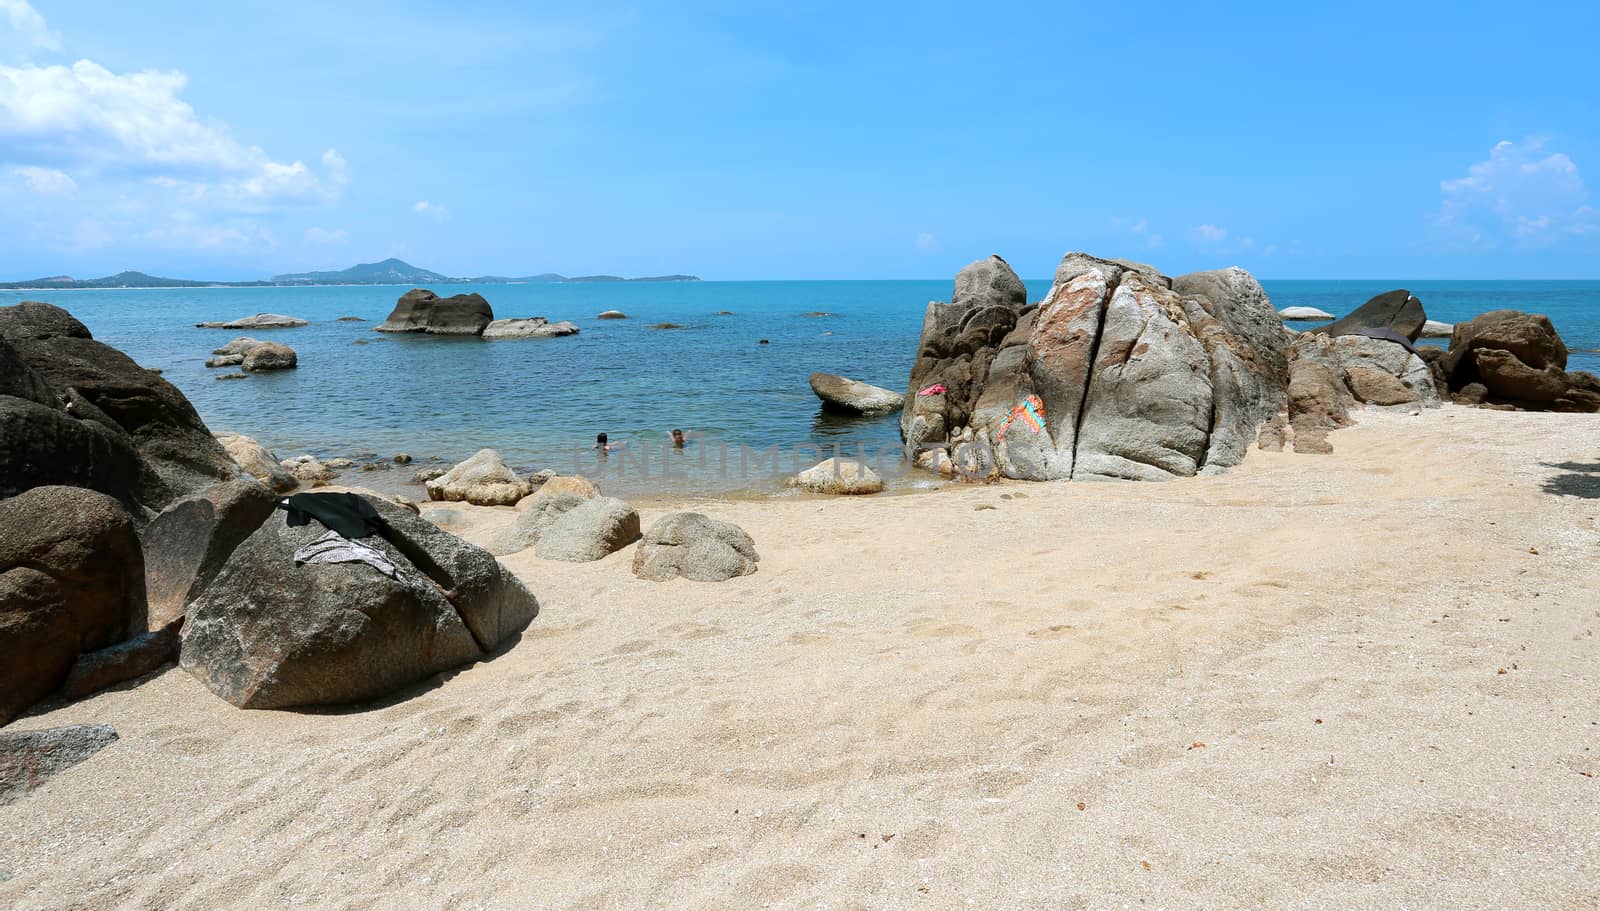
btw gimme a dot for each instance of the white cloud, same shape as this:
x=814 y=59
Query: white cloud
x=927 y=243
x=435 y=212
x=1151 y=239
x=1208 y=234
x=45 y=181
x=1519 y=193
x=21 y=25
x=326 y=236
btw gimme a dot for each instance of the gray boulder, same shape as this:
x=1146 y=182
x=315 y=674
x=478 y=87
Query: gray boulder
x=258 y=321
x=840 y=477
x=612 y=314
x=257 y=461
x=239 y=346
x=534 y=515
x=1395 y=310
x=420 y=310
x=29 y=759
x=482 y=480
x=127 y=660
x=71 y=581
x=1304 y=314
x=589 y=531
x=269 y=634
x=690 y=545
x=849 y=396
x=188 y=543
x=226 y=360
x=529 y=327
x=269 y=356
x=93 y=382
x=1434 y=329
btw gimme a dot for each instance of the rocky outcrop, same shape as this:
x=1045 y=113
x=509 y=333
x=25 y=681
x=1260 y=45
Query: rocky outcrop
x=611 y=314
x=1304 y=314
x=695 y=547
x=420 y=310
x=269 y=356
x=188 y=543
x=71 y=581
x=1434 y=329
x=91 y=383
x=590 y=531
x=29 y=759
x=849 y=396
x=483 y=480
x=1328 y=376
x=529 y=327
x=840 y=477
x=308 y=470
x=1520 y=360
x=1119 y=373
x=1396 y=311
x=257 y=461
x=269 y=634
x=259 y=321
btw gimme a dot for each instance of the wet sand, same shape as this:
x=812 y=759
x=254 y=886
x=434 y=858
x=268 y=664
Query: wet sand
x=1364 y=680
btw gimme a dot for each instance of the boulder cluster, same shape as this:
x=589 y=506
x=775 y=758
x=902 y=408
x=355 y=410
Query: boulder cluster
x=421 y=310
x=130 y=536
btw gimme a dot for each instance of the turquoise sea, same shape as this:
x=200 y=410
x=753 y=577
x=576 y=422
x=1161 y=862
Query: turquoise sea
x=540 y=402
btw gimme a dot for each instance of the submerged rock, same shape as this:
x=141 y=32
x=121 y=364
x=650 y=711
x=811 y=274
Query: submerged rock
x=258 y=321
x=239 y=346
x=226 y=360
x=695 y=547
x=420 y=310
x=854 y=397
x=530 y=327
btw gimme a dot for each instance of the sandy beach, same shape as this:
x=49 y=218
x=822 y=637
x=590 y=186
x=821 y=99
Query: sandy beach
x=1361 y=680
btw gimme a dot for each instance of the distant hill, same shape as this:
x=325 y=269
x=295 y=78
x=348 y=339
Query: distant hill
x=389 y=272
x=120 y=280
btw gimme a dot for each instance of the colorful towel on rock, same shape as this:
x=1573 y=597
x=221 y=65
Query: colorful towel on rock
x=935 y=389
x=1030 y=413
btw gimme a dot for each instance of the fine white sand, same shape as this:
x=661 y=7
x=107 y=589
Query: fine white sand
x=1364 y=680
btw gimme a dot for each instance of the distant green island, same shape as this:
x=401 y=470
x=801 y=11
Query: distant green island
x=389 y=272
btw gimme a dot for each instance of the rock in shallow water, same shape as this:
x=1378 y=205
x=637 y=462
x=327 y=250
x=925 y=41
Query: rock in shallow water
x=420 y=310
x=270 y=356
x=482 y=480
x=530 y=327
x=849 y=396
x=258 y=321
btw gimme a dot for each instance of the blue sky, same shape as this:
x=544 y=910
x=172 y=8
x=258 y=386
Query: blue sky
x=745 y=140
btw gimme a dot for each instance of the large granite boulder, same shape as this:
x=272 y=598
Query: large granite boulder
x=695 y=547
x=482 y=480
x=848 y=396
x=270 y=356
x=29 y=759
x=239 y=347
x=47 y=444
x=839 y=476
x=1330 y=375
x=257 y=461
x=528 y=327
x=420 y=310
x=188 y=543
x=71 y=581
x=267 y=633
x=258 y=321
x=1120 y=372
x=1395 y=310
x=95 y=383
x=590 y=531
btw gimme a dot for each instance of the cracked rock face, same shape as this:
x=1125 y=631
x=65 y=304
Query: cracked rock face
x=1119 y=373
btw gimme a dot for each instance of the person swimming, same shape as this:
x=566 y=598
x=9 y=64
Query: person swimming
x=603 y=446
x=677 y=438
